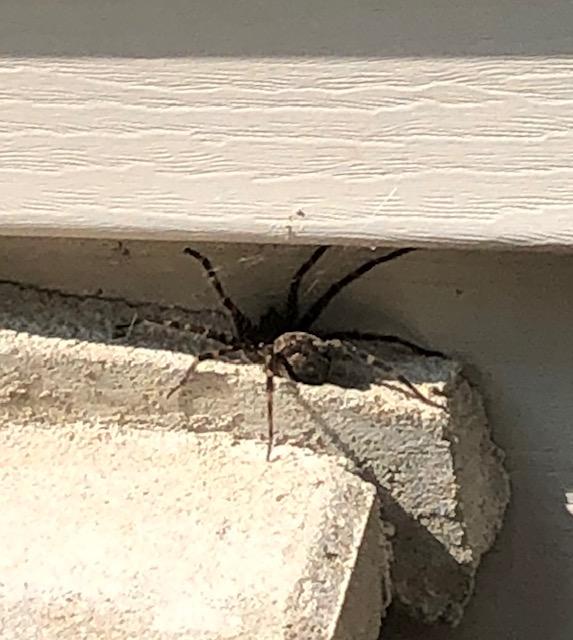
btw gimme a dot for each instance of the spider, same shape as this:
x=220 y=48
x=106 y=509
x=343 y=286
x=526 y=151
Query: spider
x=282 y=342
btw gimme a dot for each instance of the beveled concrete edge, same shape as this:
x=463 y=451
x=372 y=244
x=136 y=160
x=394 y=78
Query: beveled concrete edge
x=96 y=317
x=169 y=366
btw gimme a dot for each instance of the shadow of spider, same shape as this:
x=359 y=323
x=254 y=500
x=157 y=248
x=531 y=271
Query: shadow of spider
x=282 y=342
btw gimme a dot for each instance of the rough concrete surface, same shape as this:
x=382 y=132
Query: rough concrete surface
x=438 y=474
x=112 y=533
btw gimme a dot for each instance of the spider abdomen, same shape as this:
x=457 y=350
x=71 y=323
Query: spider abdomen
x=303 y=357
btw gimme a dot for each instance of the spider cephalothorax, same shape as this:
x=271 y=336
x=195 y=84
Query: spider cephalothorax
x=283 y=342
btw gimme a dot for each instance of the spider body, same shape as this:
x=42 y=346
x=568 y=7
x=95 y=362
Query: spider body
x=303 y=357
x=271 y=325
x=283 y=341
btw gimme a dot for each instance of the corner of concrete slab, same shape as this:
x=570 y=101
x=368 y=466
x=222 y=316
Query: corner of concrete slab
x=438 y=475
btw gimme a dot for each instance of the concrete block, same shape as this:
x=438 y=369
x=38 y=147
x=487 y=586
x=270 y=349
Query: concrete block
x=108 y=532
x=439 y=475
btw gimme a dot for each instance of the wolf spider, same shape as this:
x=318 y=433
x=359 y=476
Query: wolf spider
x=283 y=342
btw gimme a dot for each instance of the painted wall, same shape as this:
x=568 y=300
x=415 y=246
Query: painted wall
x=385 y=121
x=509 y=316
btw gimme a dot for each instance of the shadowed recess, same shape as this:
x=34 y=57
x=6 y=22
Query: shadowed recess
x=313 y=28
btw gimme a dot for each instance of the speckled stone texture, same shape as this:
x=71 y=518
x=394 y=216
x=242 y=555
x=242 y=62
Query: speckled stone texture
x=114 y=533
x=438 y=474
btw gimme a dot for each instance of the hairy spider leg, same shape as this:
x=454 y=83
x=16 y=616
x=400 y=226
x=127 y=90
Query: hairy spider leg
x=376 y=362
x=270 y=364
x=207 y=355
x=376 y=337
x=420 y=396
x=123 y=326
x=205 y=332
x=242 y=324
x=272 y=360
x=294 y=289
x=316 y=309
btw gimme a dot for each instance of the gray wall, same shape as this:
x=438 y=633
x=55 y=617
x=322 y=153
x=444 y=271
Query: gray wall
x=509 y=316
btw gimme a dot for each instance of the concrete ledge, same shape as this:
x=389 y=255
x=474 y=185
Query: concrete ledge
x=438 y=474
x=108 y=532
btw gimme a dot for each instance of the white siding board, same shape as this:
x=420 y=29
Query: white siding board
x=375 y=145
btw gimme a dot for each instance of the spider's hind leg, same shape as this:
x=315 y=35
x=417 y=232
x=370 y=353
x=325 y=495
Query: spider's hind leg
x=207 y=355
x=402 y=379
x=421 y=397
x=388 y=339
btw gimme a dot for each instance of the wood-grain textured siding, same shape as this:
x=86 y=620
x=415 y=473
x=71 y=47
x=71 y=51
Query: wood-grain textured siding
x=361 y=122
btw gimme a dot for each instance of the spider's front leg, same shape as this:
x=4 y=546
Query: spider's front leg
x=270 y=370
x=207 y=355
x=298 y=356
